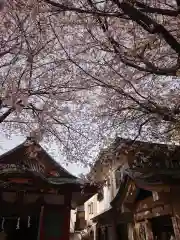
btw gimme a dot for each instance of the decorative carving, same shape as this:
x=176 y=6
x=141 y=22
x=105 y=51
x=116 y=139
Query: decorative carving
x=22 y=167
x=152 y=159
x=9 y=168
x=176 y=227
x=142 y=232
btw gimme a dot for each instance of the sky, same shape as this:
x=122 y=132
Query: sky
x=7 y=144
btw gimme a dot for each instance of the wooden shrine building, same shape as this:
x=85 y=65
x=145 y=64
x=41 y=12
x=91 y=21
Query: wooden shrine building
x=37 y=194
x=150 y=191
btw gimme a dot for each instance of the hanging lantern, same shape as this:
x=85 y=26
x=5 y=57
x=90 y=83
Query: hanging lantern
x=2 y=224
x=18 y=223
x=29 y=221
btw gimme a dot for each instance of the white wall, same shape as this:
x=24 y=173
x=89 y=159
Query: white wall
x=104 y=204
x=89 y=216
x=98 y=206
x=109 y=193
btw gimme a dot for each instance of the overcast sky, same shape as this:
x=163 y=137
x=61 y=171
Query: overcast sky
x=6 y=144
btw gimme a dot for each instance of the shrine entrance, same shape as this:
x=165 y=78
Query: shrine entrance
x=20 y=228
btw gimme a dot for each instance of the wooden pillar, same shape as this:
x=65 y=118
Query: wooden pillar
x=95 y=231
x=55 y=223
x=130 y=231
x=66 y=227
x=111 y=233
x=40 y=231
x=114 y=225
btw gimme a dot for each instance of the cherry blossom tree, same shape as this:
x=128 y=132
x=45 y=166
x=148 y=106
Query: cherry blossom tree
x=138 y=32
x=130 y=51
x=39 y=92
x=76 y=71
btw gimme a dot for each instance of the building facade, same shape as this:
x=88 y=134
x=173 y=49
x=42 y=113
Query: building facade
x=37 y=194
x=139 y=193
x=98 y=209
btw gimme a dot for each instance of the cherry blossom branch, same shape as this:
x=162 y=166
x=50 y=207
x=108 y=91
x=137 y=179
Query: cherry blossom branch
x=149 y=24
x=65 y=8
x=6 y=114
x=147 y=9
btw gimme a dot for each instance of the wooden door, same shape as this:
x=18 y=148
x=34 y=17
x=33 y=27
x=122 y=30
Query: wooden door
x=54 y=223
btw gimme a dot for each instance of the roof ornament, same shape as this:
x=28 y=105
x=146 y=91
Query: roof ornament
x=29 y=141
x=36 y=135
